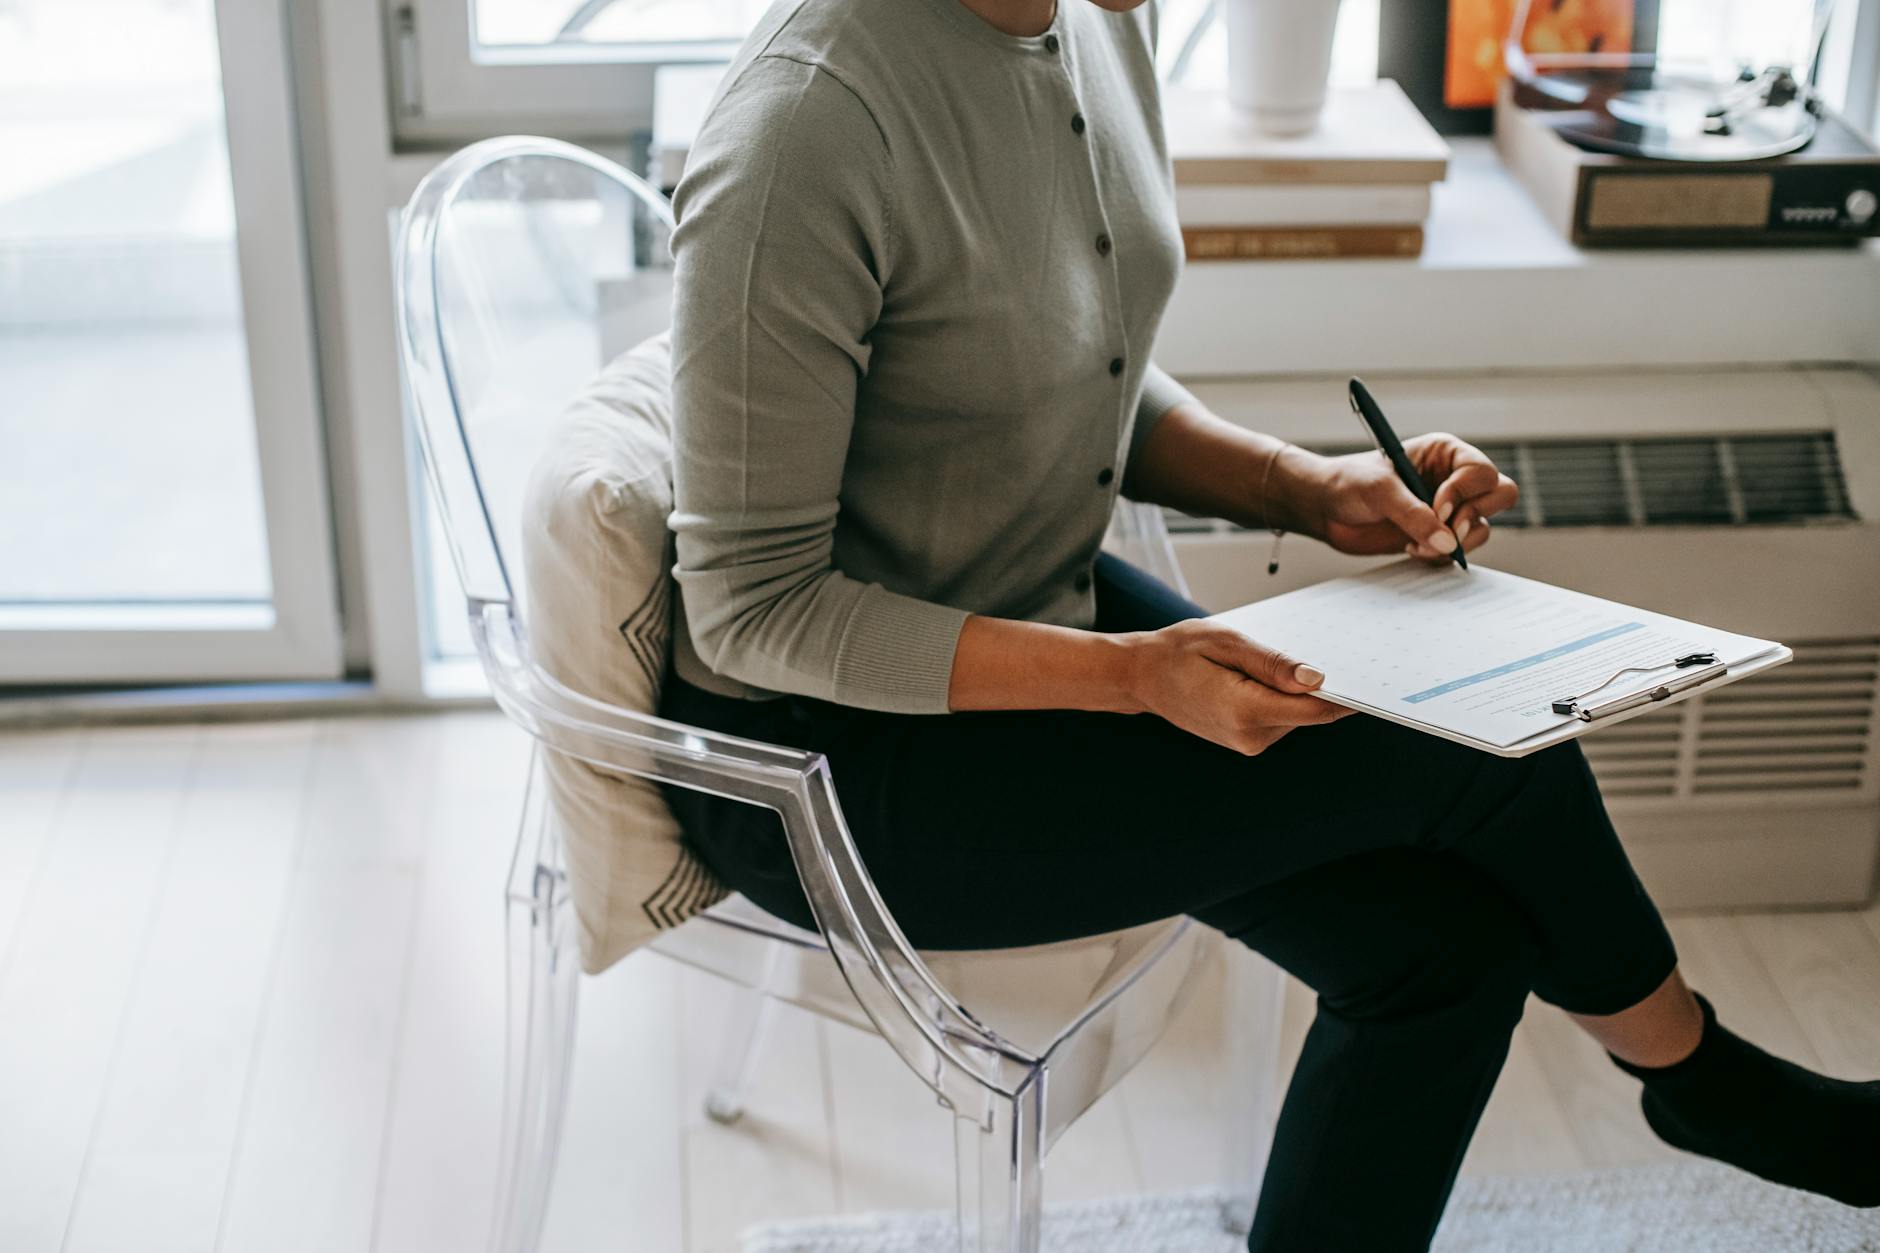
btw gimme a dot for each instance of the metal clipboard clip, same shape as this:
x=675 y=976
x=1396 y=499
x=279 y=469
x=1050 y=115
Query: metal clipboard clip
x=1703 y=668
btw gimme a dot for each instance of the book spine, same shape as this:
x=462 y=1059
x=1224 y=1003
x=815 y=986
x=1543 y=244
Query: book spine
x=1225 y=171
x=1270 y=243
x=1349 y=205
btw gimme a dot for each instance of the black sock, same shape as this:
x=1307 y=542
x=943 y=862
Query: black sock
x=1731 y=1101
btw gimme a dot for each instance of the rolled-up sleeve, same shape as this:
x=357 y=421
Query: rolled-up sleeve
x=783 y=246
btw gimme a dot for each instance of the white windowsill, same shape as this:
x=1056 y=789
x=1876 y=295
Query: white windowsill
x=234 y=616
x=1497 y=288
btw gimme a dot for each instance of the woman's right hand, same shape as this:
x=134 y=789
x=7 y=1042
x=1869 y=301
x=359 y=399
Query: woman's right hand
x=1215 y=682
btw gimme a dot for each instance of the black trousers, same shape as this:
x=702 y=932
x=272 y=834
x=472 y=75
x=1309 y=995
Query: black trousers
x=1421 y=888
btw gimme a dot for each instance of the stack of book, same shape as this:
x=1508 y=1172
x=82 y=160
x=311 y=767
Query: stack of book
x=1358 y=186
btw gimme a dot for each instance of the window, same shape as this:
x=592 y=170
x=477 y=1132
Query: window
x=161 y=505
x=506 y=27
x=122 y=341
x=466 y=68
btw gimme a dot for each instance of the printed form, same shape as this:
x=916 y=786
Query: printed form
x=1476 y=654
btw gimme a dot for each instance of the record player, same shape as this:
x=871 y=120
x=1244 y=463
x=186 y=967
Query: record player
x=1635 y=148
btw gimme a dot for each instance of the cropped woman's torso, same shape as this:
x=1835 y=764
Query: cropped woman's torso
x=1015 y=218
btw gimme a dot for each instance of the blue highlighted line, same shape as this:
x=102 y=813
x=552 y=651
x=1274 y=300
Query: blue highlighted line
x=1443 y=689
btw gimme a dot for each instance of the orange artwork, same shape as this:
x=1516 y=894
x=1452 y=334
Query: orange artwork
x=1478 y=27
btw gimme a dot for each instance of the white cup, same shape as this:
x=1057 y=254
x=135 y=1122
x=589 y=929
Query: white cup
x=1279 y=57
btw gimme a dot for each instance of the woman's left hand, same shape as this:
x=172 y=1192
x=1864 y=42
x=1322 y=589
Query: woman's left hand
x=1368 y=510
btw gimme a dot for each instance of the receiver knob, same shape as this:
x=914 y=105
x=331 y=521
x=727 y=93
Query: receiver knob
x=1860 y=205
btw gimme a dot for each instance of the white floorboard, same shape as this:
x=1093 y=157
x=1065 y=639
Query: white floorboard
x=171 y=1113
x=151 y=1202
x=1827 y=966
x=78 y=945
x=876 y=1101
x=778 y=1160
x=306 y=1173
x=622 y=1180
x=440 y=1152
x=1720 y=961
x=35 y=776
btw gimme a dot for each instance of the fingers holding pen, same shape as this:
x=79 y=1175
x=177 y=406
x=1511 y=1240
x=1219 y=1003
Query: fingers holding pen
x=1423 y=529
x=1471 y=526
x=1463 y=505
x=1473 y=491
x=1470 y=531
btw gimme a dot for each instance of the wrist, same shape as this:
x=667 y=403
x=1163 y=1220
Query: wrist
x=1297 y=486
x=1120 y=662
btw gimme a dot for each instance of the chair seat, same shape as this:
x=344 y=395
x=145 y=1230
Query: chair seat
x=1030 y=996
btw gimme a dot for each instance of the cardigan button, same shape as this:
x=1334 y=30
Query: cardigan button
x=1050 y=43
x=1083 y=581
x=1103 y=245
x=1077 y=123
x=1116 y=367
x=1105 y=476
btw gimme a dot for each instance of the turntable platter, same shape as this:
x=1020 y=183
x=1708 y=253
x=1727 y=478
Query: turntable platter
x=1640 y=112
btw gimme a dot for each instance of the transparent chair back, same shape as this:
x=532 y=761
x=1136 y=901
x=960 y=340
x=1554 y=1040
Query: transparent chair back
x=523 y=266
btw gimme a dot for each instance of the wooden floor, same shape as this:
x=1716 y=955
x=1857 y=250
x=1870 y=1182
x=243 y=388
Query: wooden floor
x=251 y=998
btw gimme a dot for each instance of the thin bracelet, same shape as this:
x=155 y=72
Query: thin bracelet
x=1266 y=476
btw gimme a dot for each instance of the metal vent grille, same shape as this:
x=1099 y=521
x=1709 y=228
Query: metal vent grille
x=1710 y=481
x=1807 y=727
x=1640 y=757
x=1727 y=480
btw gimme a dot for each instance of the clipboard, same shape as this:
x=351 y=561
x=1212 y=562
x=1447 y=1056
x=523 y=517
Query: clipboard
x=1503 y=664
x=1575 y=728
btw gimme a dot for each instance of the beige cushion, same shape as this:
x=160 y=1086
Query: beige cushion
x=597 y=567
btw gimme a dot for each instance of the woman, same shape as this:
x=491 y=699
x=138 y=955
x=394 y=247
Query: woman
x=922 y=252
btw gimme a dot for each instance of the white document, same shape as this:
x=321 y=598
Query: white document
x=1479 y=656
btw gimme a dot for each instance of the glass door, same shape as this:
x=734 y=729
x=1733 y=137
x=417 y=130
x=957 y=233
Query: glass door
x=163 y=512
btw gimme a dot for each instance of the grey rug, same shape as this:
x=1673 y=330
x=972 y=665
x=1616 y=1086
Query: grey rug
x=1680 y=1208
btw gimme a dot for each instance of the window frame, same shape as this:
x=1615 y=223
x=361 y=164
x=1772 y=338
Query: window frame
x=445 y=88
x=1861 y=84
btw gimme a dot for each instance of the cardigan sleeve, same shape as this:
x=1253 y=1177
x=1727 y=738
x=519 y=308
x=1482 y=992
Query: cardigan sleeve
x=783 y=245
x=1160 y=393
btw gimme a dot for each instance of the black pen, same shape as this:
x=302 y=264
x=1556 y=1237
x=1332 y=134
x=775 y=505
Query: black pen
x=1387 y=443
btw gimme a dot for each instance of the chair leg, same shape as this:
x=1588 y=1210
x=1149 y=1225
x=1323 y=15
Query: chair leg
x=743 y=1044
x=1255 y=1004
x=1000 y=1175
x=543 y=989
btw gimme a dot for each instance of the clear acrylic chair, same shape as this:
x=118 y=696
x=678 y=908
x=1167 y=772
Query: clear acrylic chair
x=523 y=264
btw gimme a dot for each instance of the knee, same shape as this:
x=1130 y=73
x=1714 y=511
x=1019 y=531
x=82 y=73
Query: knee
x=1464 y=949
x=1555 y=781
x=1561 y=773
